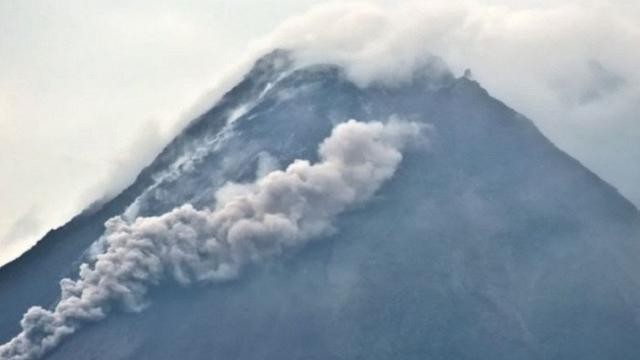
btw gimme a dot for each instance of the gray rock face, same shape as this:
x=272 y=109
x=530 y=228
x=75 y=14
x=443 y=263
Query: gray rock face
x=488 y=244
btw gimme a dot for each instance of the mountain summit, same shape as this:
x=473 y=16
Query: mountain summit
x=437 y=224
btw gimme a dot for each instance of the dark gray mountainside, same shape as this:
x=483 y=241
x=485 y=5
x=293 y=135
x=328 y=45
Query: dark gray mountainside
x=489 y=244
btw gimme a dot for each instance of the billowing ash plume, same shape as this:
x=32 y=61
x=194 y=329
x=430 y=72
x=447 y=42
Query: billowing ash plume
x=282 y=210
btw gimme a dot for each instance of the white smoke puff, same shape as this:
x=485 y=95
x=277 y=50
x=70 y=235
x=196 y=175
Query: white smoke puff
x=280 y=211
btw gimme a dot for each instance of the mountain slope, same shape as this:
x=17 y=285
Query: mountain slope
x=489 y=243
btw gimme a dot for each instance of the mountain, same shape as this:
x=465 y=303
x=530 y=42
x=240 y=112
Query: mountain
x=488 y=242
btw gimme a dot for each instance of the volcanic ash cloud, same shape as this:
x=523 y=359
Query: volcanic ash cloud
x=282 y=210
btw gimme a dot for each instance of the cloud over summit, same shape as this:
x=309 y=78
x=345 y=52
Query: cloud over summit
x=571 y=67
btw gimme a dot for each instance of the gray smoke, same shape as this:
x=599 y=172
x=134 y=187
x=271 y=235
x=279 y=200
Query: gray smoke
x=282 y=210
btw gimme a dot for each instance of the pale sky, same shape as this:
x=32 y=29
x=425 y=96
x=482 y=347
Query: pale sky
x=90 y=91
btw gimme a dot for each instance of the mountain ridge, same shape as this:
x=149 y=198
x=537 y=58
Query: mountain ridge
x=327 y=85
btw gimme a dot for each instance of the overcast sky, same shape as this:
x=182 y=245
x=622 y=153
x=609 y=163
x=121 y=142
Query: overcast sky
x=90 y=91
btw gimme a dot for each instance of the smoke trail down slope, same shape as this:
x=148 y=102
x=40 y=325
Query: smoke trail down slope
x=282 y=210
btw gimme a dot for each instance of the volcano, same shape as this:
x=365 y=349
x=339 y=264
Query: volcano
x=486 y=242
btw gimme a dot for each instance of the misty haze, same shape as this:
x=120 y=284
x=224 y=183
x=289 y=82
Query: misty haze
x=318 y=180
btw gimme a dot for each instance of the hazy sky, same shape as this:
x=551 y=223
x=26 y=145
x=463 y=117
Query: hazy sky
x=90 y=91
